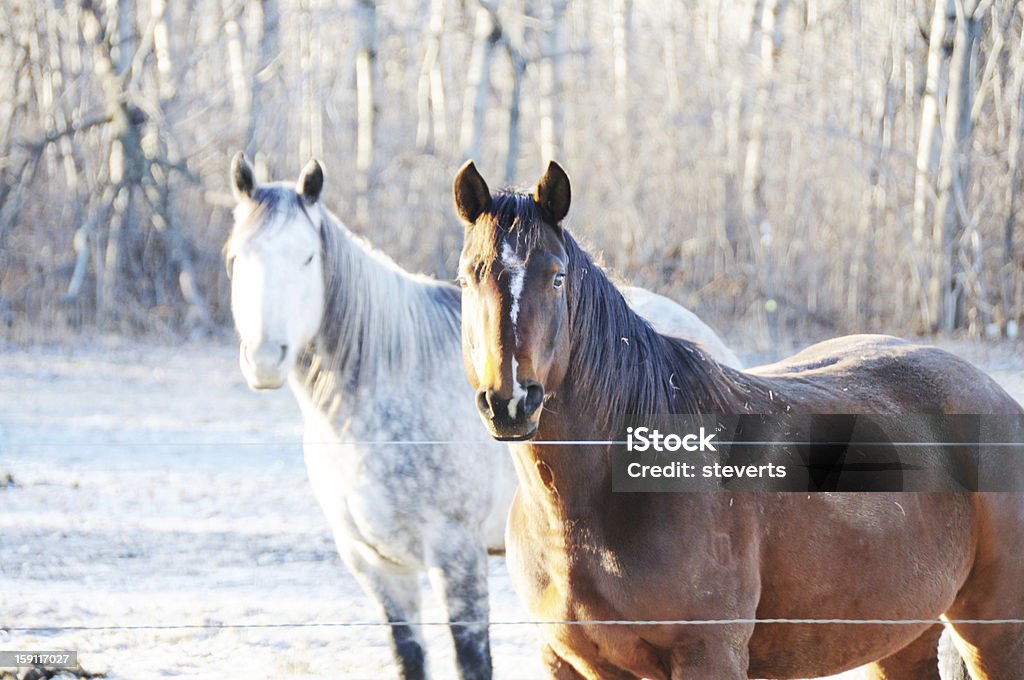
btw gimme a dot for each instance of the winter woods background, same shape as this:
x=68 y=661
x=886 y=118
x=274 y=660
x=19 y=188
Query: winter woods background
x=781 y=166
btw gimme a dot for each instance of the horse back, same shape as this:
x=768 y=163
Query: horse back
x=883 y=374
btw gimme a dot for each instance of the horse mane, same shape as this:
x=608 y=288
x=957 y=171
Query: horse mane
x=618 y=363
x=379 y=321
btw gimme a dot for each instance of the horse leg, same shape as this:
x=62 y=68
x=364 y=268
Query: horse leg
x=397 y=591
x=920 y=660
x=992 y=592
x=992 y=651
x=556 y=667
x=721 y=654
x=457 y=562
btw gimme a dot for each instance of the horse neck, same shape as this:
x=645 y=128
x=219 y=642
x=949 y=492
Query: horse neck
x=381 y=325
x=619 y=366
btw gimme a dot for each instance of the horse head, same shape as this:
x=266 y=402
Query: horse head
x=514 y=303
x=274 y=258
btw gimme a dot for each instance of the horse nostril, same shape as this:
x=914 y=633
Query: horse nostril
x=483 y=403
x=284 y=353
x=534 y=398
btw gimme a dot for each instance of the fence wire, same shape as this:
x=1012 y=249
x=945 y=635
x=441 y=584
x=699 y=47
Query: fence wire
x=427 y=624
x=483 y=442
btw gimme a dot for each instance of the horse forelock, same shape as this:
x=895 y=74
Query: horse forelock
x=515 y=225
x=271 y=207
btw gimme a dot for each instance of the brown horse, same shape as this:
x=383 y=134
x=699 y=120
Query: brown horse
x=555 y=353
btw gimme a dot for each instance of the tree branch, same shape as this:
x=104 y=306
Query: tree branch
x=53 y=135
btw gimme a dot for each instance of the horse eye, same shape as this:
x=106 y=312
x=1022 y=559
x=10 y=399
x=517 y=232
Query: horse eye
x=558 y=281
x=229 y=264
x=308 y=260
x=463 y=283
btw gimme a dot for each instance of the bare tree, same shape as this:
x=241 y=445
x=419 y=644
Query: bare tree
x=1012 y=281
x=951 y=210
x=265 y=81
x=769 y=37
x=366 y=83
x=782 y=165
x=432 y=128
x=552 y=80
x=941 y=28
x=622 y=29
x=132 y=169
x=486 y=35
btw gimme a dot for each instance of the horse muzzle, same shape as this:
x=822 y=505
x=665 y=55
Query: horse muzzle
x=512 y=418
x=265 y=367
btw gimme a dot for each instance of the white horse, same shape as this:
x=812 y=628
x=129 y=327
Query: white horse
x=363 y=344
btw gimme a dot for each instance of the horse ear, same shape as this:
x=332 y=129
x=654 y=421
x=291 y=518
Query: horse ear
x=472 y=197
x=553 y=194
x=311 y=182
x=242 y=179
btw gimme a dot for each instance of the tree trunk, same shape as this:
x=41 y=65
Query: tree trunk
x=478 y=82
x=314 y=110
x=770 y=41
x=265 y=78
x=552 y=73
x=432 y=128
x=126 y=167
x=622 y=25
x=236 y=65
x=945 y=290
x=1013 y=262
x=130 y=168
x=515 y=97
x=927 y=148
x=162 y=49
x=366 y=82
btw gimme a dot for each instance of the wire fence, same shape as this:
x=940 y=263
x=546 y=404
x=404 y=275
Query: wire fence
x=427 y=624
x=483 y=442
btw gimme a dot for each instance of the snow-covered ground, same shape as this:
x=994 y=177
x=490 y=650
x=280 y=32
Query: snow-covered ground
x=152 y=488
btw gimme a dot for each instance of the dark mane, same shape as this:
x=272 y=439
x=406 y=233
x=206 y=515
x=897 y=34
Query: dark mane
x=618 y=361
x=624 y=364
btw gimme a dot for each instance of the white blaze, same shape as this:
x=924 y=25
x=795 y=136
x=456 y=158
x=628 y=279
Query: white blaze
x=517 y=392
x=516 y=268
x=517 y=276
